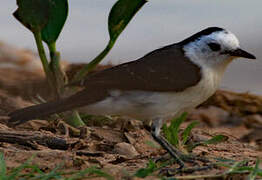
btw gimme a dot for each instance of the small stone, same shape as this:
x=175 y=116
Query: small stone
x=130 y=138
x=126 y=149
x=253 y=121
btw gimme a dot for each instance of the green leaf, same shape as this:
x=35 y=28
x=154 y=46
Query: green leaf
x=259 y=173
x=152 y=144
x=254 y=173
x=33 y=14
x=167 y=133
x=58 y=11
x=213 y=140
x=188 y=130
x=100 y=173
x=171 y=132
x=54 y=174
x=216 y=139
x=120 y=15
x=16 y=171
x=75 y=120
x=144 y=172
x=235 y=166
x=92 y=170
x=176 y=123
x=2 y=166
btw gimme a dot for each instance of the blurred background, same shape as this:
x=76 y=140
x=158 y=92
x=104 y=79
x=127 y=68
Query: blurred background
x=158 y=23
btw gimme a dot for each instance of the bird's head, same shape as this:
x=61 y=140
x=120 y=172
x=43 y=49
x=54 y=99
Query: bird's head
x=214 y=47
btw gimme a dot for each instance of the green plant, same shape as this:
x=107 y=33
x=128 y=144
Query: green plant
x=256 y=171
x=237 y=168
x=30 y=171
x=144 y=172
x=172 y=133
x=45 y=19
x=119 y=17
x=233 y=168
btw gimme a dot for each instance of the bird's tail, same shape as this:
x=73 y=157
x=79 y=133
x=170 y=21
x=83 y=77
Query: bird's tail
x=39 y=111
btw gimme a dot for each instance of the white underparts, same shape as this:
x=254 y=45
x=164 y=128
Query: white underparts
x=146 y=105
x=149 y=105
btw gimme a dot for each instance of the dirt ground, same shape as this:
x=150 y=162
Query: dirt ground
x=119 y=145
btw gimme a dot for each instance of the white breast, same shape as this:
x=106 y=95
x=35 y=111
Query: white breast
x=149 y=105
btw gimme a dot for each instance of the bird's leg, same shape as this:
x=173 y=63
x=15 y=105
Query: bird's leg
x=155 y=131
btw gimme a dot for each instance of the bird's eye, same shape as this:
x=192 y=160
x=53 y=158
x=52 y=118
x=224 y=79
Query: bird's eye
x=214 y=46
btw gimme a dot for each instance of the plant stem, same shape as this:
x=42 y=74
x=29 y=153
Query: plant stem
x=52 y=47
x=59 y=76
x=90 y=66
x=42 y=55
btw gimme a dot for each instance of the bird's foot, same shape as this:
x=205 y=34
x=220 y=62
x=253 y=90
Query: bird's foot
x=185 y=158
x=179 y=157
x=191 y=158
x=197 y=163
x=170 y=149
x=173 y=171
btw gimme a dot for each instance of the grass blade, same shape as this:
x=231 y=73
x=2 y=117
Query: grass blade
x=253 y=174
x=235 y=166
x=188 y=130
x=2 y=166
x=171 y=132
x=15 y=172
x=144 y=172
x=51 y=175
x=152 y=144
x=178 y=121
x=216 y=139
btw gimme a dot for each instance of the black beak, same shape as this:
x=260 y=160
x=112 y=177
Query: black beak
x=241 y=53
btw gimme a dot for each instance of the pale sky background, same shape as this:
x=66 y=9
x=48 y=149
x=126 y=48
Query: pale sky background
x=158 y=23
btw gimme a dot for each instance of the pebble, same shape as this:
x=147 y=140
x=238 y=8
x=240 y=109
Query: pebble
x=126 y=149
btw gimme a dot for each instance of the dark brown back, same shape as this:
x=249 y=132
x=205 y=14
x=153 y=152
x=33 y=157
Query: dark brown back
x=162 y=70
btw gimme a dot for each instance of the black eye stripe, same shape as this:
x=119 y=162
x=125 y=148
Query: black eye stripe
x=214 y=46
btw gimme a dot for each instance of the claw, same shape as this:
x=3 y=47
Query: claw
x=170 y=149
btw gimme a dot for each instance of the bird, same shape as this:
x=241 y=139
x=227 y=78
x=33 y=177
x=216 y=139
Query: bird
x=158 y=86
